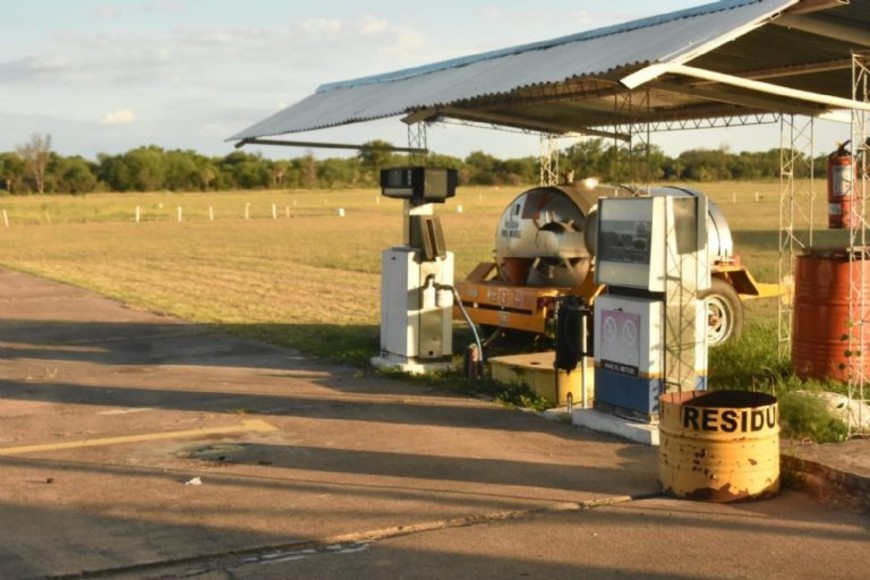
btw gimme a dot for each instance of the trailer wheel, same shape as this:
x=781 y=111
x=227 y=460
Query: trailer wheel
x=724 y=312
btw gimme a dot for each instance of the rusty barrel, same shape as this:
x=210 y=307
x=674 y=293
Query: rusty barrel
x=825 y=283
x=719 y=446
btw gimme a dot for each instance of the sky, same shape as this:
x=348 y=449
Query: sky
x=108 y=76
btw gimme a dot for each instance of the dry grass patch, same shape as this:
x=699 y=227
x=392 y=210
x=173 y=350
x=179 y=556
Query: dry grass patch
x=282 y=278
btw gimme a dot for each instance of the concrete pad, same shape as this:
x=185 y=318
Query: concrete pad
x=653 y=538
x=107 y=412
x=645 y=433
x=346 y=451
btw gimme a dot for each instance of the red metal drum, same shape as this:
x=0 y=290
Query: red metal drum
x=820 y=347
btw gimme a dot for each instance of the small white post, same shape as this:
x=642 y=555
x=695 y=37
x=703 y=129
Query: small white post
x=287 y=210
x=179 y=214
x=138 y=213
x=247 y=210
x=274 y=211
x=377 y=199
x=459 y=208
x=341 y=212
x=5 y=218
x=756 y=197
x=211 y=213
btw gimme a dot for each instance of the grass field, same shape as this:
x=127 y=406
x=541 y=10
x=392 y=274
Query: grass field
x=312 y=267
x=298 y=274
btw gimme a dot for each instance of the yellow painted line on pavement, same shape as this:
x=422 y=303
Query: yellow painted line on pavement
x=256 y=425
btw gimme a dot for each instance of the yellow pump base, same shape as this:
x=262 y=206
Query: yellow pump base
x=536 y=371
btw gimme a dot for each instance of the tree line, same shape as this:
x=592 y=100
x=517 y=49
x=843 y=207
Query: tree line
x=35 y=168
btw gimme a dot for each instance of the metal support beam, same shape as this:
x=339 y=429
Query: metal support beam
x=652 y=72
x=859 y=317
x=516 y=121
x=418 y=145
x=549 y=160
x=632 y=108
x=796 y=202
x=825 y=29
x=318 y=145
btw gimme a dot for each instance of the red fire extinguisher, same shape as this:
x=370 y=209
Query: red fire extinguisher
x=841 y=175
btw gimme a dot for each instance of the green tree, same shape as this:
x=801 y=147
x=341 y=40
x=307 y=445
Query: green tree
x=73 y=175
x=585 y=158
x=12 y=171
x=207 y=171
x=181 y=171
x=334 y=172
x=246 y=170
x=114 y=172
x=147 y=168
x=374 y=156
x=481 y=168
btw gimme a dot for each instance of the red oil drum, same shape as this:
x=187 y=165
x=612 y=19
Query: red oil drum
x=820 y=346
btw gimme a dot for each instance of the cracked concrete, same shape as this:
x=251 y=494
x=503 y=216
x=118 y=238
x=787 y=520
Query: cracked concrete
x=310 y=470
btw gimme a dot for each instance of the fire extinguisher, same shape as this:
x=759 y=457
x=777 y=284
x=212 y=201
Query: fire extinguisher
x=840 y=181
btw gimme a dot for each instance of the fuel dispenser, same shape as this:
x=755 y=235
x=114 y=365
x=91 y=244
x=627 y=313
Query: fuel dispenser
x=417 y=276
x=650 y=327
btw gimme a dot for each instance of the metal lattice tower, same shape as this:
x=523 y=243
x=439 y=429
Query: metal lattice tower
x=859 y=317
x=796 y=203
x=685 y=276
x=633 y=109
x=549 y=160
x=417 y=139
x=628 y=107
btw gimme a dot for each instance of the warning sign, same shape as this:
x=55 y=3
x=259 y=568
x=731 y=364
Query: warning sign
x=620 y=340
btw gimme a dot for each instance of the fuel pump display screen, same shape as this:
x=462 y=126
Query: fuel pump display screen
x=625 y=241
x=630 y=239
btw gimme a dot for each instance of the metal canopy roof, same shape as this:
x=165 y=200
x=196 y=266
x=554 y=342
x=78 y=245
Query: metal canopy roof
x=730 y=58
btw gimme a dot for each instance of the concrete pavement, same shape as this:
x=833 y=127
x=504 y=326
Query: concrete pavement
x=136 y=445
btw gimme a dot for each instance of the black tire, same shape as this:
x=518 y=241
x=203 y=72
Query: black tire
x=724 y=312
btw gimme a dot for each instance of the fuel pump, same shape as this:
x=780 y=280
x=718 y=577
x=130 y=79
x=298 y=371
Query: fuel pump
x=417 y=276
x=650 y=327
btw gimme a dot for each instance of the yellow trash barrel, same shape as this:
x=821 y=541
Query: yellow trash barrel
x=719 y=446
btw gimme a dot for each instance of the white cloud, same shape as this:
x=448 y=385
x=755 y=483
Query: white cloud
x=373 y=25
x=120 y=117
x=165 y=6
x=104 y=12
x=321 y=25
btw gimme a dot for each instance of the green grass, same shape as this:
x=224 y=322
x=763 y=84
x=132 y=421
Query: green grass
x=306 y=278
x=752 y=363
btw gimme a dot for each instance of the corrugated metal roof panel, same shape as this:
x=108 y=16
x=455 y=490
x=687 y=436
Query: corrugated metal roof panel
x=672 y=38
x=586 y=36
